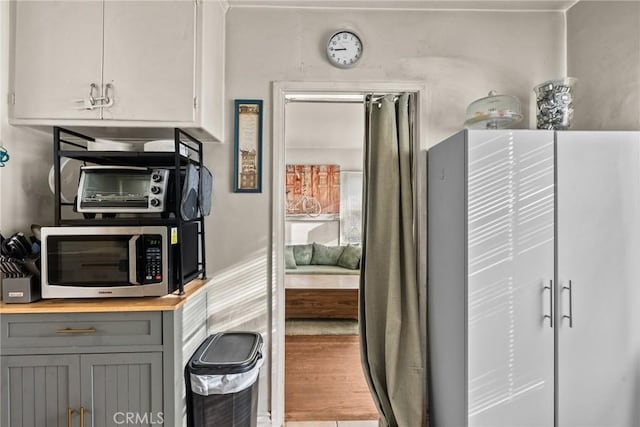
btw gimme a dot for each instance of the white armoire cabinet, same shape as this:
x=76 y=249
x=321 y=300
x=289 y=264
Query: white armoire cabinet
x=534 y=241
x=119 y=64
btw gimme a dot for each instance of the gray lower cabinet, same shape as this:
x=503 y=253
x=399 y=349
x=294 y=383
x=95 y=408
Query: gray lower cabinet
x=81 y=369
x=99 y=389
x=109 y=369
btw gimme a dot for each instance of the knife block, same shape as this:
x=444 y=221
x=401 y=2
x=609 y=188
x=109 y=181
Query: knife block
x=21 y=289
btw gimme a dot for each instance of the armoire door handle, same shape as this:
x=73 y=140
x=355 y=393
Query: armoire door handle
x=550 y=315
x=570 y=316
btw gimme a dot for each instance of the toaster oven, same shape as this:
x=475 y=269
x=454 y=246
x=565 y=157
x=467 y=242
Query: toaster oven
x=123 y=189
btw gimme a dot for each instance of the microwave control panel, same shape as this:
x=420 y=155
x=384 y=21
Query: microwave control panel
x=152 y=254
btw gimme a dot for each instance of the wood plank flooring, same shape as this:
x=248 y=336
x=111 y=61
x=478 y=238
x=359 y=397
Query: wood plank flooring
x=324 y=379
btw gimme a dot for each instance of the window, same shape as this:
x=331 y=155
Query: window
x=351 y=208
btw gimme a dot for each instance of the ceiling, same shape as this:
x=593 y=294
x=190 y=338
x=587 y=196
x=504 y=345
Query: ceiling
x=515 y=5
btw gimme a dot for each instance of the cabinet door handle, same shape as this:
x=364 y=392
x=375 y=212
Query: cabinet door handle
x=70 y=413
x=106 y=98
x=104 y=101
x=92 y=99
x=81 y=416
x=90 y=330
x=550 y=315
x=570 y=316
x=89 y=103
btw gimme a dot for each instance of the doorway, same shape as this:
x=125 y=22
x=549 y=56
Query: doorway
x=330 y=232
x=324 y=149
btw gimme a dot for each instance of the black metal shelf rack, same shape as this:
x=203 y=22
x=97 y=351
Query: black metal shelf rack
x=74 y=145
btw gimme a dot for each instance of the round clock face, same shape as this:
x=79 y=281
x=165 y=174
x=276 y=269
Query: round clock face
x=344 y=49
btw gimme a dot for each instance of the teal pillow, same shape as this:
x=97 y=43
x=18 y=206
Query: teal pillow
x=326 y=255
x=289 y=259
x=350 y=257
x=302 y=254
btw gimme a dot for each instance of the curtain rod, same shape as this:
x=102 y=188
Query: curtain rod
x=376 y=99
x=325 y=101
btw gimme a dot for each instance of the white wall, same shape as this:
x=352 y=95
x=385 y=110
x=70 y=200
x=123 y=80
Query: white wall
x=459 y=55
x=325 y=133
x=25 y=197
x=603 y=52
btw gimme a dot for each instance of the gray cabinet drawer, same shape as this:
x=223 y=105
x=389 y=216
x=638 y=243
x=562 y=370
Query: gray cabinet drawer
x=80 y=329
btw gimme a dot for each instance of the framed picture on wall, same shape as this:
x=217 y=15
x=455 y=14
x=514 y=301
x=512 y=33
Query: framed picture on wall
x=312 y=192
x=248 y=146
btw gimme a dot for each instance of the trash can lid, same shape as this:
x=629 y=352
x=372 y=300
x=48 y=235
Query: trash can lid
x=228 y=352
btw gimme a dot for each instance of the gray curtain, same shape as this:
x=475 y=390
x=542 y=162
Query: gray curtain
x=389 y=306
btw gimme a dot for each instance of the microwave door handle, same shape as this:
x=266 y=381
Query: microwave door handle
x=133 y=256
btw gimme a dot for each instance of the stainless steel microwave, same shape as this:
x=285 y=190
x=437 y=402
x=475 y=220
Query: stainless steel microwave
x=131 y=261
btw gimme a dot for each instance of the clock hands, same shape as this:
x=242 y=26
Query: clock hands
x=342 y=48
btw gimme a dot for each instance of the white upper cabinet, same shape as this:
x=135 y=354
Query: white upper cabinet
x=145 y=59
x=149 y=60
x=57 y=57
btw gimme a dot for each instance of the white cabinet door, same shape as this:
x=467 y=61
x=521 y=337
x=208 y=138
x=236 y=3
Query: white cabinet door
x=510 y=261
x=57 y=56
x=149 y=58
x=599 y=254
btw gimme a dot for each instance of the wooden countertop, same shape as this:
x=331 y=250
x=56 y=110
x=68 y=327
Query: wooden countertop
x=107 y=305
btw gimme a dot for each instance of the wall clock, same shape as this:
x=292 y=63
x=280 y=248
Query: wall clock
x=344 y=49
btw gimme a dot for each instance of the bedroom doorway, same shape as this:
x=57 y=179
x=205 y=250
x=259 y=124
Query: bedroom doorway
x=291 y=181
x=323 y=151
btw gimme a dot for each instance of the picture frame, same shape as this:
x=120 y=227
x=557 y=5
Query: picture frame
x=312 y=192
x=247 y=146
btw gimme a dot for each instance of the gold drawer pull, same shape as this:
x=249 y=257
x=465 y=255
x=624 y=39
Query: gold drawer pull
x=90 y=330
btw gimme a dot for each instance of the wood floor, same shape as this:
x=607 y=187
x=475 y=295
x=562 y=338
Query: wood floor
x=324 y=379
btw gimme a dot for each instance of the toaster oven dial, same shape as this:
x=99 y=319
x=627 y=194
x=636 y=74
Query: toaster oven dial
x=156 y=177
x=155 y=202
x=155 y=189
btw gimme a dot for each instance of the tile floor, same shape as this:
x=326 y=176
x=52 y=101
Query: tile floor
x=373 y=423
